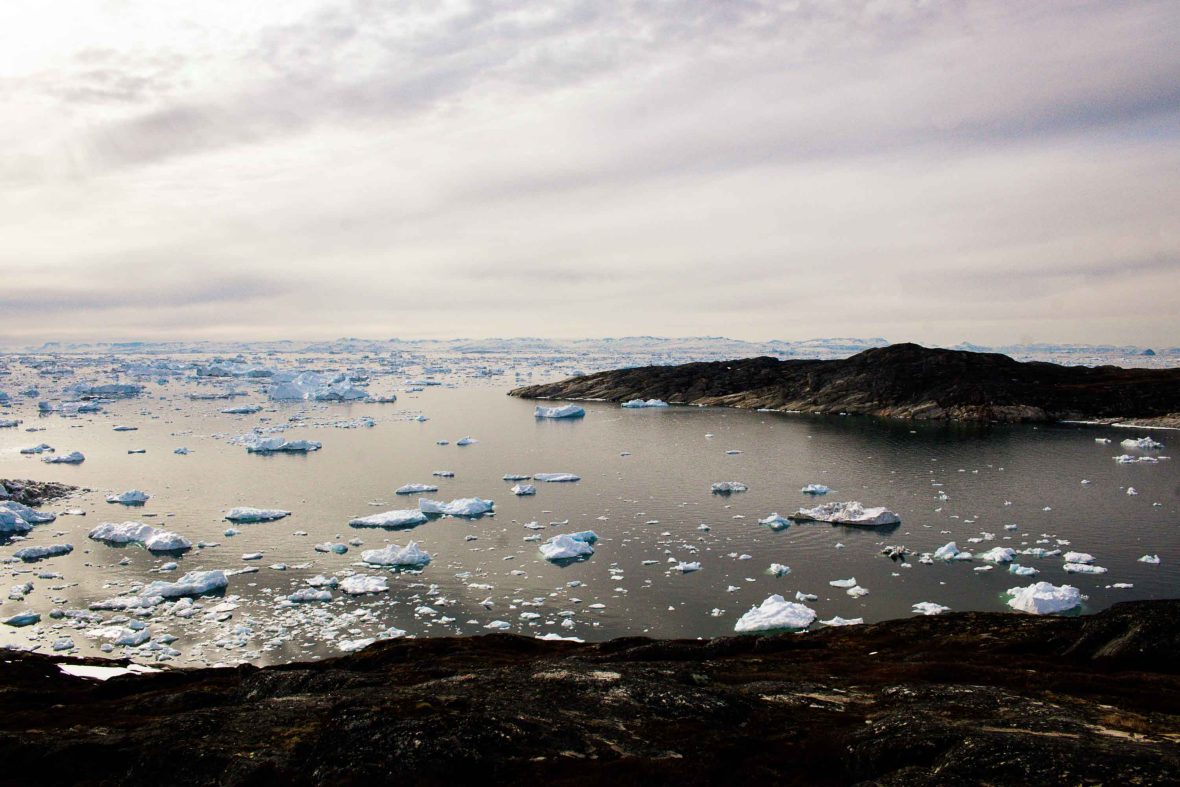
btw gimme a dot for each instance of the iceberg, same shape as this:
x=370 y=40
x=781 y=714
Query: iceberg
x=1043 y=598
x=568 y=411
x=194 y=583
x=685 y=567
x=251 y=515
x=415 y=489
x=1077 y=557
x=930 y=608
x=775 y=521
x=361 y=584
x=779 y=570
x=466 y=441
x=524 y=490
x=408 y=517
x=557 y=478
x=72 y=458
x=775 y=613
x=1152 y=559
x=246 y=409
x=569 y=546
x=18 y=517
x=132 y=497
x=636 y=404
x=850 y=513
x=728 y=487
x=309 y=595
x=409 y=556
x=999 y=555
x=839 y=621
x=462 y=507
x=815 y=489
x=271 y=445
x=22 y=619
x=150 y=538
x=1083 y=568
x=31 y=554
x=1143 y=444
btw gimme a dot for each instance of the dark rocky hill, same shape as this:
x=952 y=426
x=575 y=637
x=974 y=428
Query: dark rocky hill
x=972 y=698
x=902 y=380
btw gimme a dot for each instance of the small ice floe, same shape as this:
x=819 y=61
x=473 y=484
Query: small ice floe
x=466 y=441
x=1022 y=571
x=778 y=570
x=569 y=546
x=246 y=409
x=728 y=487
x=557 y=478
x=566 y=411
x=1131 y=491
x=1125 y=459
x=775 y=521
x=37 y=449
x=278 y=445
x=498 y=625
x=248 y=515
x=309 y=595
x=850 y=513
x=815 y=489
x=516 y=477
x=948 y=551
x=856 y=591
x=132 y=497
x=125 y=429
x=194 y=583
x=72 y=458
x=32 y=554
x=895 y=552
x=775 y=613
x=687 y=568
x=22 y=619
x=1102 y=440
x=636 y=404
x=9 y=423
x=1083 y=568
x=252 y=556
x=999 y=555
x=18 y=518
x=415 y=489
x=929 y=608
x=182 y=451
x=839 y=621
x=462 y=507
x=1143 y=444
x=1043 y=598
x=1153 y=559
x=334 y=547
x=843 y=583
x=443 y=473
x=150 y=538
x=407 y=517
x=524 y=490
x=1077 y=557
x=732 y=452
x=409 y=556
x=362 y=584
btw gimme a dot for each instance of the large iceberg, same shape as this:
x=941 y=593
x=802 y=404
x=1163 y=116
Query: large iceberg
x=569 y=546
x=464 y=506
x=152 y=539
x=409 y=556
x=1043 y=598
x=850 y=513
x=568 y=411
x=316 y=387
x=194 y=583
x=360 y=584
x=408 y=517
x=775 y=613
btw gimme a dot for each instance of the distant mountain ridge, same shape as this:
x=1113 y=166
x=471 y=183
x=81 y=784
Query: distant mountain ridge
x=901 y=380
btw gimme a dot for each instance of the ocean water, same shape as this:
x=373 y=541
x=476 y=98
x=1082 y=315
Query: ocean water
x=644 y=489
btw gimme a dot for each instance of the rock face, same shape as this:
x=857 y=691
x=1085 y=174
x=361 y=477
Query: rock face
x=33 y=493
x=902 y=380
x=959 y=699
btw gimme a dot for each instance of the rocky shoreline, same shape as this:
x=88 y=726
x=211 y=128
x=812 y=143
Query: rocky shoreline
x=899 y=381
x=958 y=699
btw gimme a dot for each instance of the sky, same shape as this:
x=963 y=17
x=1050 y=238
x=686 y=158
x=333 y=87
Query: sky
x=993 y=172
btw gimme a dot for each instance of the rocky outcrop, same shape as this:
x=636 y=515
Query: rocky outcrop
x=958 y=699
x=33 y=493
x=901 y=381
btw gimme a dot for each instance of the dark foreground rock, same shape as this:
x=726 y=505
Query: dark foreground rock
x=902 y=380
x=962 y=699
x=33 y=493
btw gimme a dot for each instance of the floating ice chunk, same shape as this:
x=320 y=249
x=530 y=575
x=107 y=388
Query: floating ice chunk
x=947 y=551
x=779 y=570
x=1125 y=459
x=557 y=478
x=801 y=596
x=1131 y=491
x=182 y=451
x=72 y=458
x=636 y=404
x=857 y=591
x=1022 y=571
x=1043 y=598
x=569 y=546
x=999 y=555
x=843 y=583
x=272 y=445
x=194 y=583
x=524 y=490
x=498 y=625
x=22 y=619
x=246 y=409
x=444 y=473
x=839 y=621
x=775 y=613
x=728 y=487
x=462 y=507
x=815 y=489
x=361 y=584
x=1077 y=557
x=9 y=423
x=466 y=441
x=408 y=517
x=249 y=515
x=415 y=489
x=930 y=608
x=37 y=449
x=132 y=497
x=150 y=538
x=409 y=556
x=687 y=568
x=333 y=547
x=850 y=513
x=566 y=411
x=1153 y=559
x=775 y=521
x=1083 y=568
x=30 y=554
x=1143 y=444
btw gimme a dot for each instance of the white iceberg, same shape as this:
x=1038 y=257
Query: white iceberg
x=462 y=507
x=850 y=513
x=728 y=487
x=569 y=546
x=194 y=583
x=636 y=404
x=815 y=489
x=930 y=608
x=557 y=478
x=1152 y=559
x=150 y=538
x=72 y=458
x=409 y=556
x=29 y=554
x=1083 y=568
x=407 y=517
x=775 y=521
x=775 y=613
x=272 y=445
x=249 y=515
x=524 y=490
x=1143 y=444
x=361 y=584
x=1043 y=598
x=999 y=555
x=566 y=411
x=415 y=489
x=132 y=497
x=1077 y=557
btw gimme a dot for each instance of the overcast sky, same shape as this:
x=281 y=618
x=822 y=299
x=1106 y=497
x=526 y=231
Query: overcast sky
x=931 y=171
